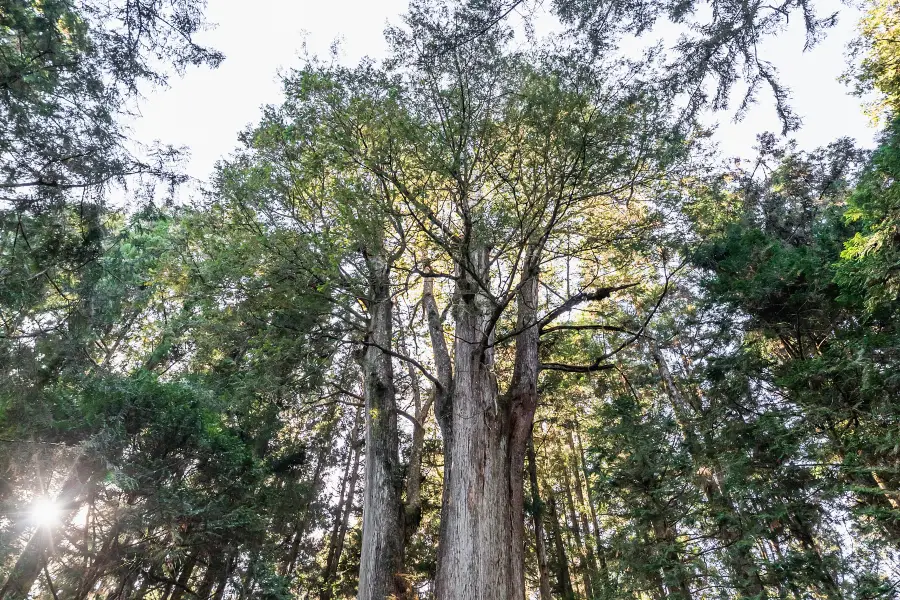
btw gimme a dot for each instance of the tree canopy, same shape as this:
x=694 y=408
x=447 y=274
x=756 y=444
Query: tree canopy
x=480 y=320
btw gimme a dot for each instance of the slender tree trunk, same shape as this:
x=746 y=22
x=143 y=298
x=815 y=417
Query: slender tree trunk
x=381 y=558
x=227 y=569
x=739 y=558
x=107 y=555
x=601 y=550
x=413 y=504
x=676 y=579
x=538 y=517
x=345 y=508
x=891 y=495
x=482 y=544
x=213 y=571
x=31 y=560
x=579 y=497
x=181 y=586
x=804 y=532
x=776 y=546
x=575 y=528
x=655 y=576
x=563 y=577
x=299 y=530
x=442 y=390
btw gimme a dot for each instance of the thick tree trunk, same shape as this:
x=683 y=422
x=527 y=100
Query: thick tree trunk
x=482 y=544
x=481 y=556
x=538 y=517
x=381 y=557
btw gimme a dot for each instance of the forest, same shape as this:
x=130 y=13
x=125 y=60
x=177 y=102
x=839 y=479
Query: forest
x=490 y=318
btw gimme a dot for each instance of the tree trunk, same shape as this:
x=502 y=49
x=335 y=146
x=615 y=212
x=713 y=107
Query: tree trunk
x=739 y=558
x=538 y=516
x=299 y=529
x=442 y=390
x=804 y=532
x=107 y=555
x=563 y=577
x=481 y=553
x=30 y=562
x=413 y=505
x=579 y=497
x=213 y=570
x=345 y=508
x=575 y=528
x=601 y=550
x=227 y=570
x=181 y=585
x=676 y=579
x=381 y=557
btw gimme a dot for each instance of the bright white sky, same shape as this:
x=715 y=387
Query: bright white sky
x=207 y=108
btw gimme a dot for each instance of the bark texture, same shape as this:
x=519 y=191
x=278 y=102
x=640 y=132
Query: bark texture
x=381 y=556
x=482 y=544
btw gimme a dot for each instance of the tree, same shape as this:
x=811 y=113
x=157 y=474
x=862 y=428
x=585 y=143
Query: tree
x=68 y=72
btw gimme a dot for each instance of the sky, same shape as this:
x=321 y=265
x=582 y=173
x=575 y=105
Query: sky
x=205 y=109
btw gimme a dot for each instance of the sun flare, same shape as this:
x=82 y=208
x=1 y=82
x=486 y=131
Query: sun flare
x=45 y=512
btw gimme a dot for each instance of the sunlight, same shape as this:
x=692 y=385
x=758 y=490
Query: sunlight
x=45 y=512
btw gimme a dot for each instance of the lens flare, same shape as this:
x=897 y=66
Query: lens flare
x=45 y=512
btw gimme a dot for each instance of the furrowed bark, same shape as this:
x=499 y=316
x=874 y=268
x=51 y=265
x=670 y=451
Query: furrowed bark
x=381 y=557
x=482 y=544
x=443 y=397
